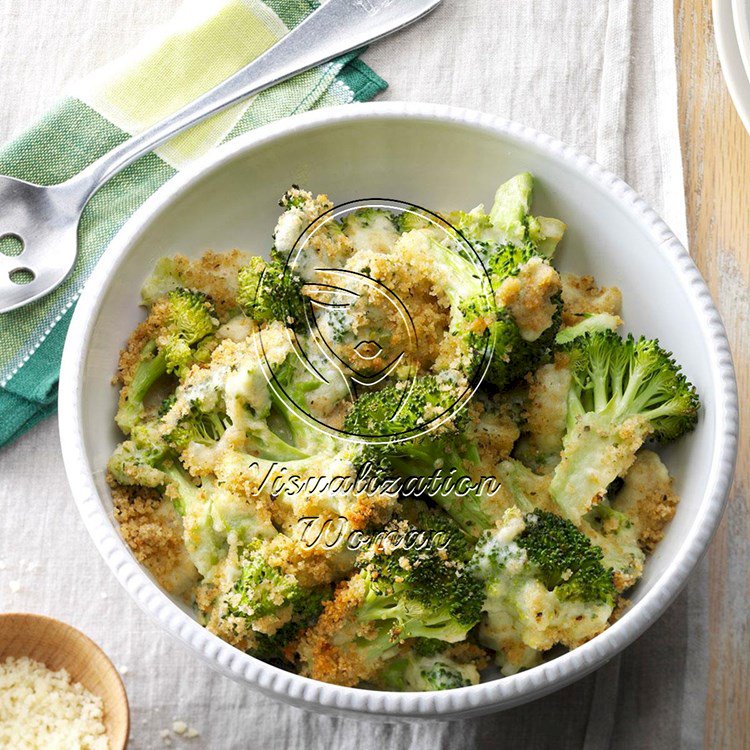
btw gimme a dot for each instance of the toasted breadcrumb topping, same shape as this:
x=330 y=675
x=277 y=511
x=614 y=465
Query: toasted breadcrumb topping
x=152 y=529
x=581 y=296
x=648 y=497
x=530 y=297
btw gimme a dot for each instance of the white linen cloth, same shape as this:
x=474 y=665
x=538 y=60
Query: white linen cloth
x=599 y=76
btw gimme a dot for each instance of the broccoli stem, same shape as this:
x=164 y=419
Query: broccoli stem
x=462 y=281
x=184 y=493
x=511 y=206
x=510 y=472
x=267 y=445
x=595 y=453
x=465 y=510
x=151 y=367
x=546 y=234
x=299 y=431
x=205 y=546
x=589 y=324
x=382 y=646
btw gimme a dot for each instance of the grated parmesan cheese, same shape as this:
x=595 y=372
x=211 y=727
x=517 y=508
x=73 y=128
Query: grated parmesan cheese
x=180 y=728
x=42 y=709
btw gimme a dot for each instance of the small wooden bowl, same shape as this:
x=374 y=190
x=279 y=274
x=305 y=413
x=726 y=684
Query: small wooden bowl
x=61 y=646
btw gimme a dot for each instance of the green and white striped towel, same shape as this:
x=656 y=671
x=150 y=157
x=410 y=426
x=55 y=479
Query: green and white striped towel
x=202 y=45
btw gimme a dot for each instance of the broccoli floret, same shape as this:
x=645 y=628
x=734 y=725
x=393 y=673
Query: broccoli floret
x=411 y=219
x=190 y=320
x=506 y=240
x=269 y=291
x=274 y=433
x=544 y=583
x=139 y=460
x=505 y=224
x=197 y=426
x=510 y=214
x=629 y=377
x=414 y=672
x=210 y=512
x=272 y=430
x=481 y=322
x=550 y=549
x=428 y=646
x=147 y=461
x=213 y=518
x=622 y=392
x=268 y=599
x=608 y=529
x=401 y=591
x=204 y=540
x=420 y=593
x=185 y=336
x=255 y=430
x=151 y=366
x=281 y=434
x=260 y=588
x=564 y=559
x=388 y=418
x=509 y=222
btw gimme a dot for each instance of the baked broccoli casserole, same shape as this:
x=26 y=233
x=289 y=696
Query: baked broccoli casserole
x=401 y=450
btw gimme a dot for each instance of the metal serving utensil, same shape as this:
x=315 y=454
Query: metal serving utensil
x=45 y=219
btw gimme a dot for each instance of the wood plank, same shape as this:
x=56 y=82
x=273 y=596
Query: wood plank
x=716 y=154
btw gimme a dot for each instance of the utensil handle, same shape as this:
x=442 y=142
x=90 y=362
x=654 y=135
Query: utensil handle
x=334 y=29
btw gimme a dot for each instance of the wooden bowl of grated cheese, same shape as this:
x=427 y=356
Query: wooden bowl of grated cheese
x=58 y=688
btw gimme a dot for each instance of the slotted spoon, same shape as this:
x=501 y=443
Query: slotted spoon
x=45 y=219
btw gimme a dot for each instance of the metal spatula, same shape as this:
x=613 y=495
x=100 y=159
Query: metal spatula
x=45 y=219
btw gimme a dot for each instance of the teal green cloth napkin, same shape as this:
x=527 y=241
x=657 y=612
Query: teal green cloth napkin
x=193 y=52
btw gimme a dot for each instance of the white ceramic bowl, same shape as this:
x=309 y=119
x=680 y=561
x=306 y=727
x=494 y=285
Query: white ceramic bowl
x=443 y=158
x=727 y=42
x=741 y=14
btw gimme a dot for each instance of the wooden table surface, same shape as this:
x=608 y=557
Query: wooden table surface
x=716 y=155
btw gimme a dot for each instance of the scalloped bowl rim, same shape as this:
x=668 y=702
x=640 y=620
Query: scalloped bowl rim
x=304 y=692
